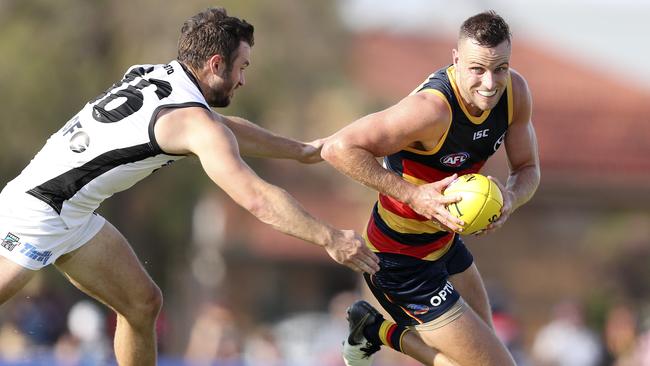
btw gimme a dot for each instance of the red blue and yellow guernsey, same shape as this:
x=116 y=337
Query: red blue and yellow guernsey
x=394 y=227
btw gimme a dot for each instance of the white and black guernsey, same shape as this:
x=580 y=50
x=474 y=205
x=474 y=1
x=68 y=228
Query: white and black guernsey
x=109 y=145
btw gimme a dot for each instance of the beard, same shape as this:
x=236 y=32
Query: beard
x=220 y=98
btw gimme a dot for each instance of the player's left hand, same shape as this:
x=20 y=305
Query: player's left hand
x=506 y=210
x=349 y=249
x=310 y=153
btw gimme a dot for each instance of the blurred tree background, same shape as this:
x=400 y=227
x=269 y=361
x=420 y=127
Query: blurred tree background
x=57 y=55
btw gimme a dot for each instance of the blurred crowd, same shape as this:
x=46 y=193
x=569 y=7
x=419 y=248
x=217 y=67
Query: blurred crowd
x=41 y=329
x=567 y=340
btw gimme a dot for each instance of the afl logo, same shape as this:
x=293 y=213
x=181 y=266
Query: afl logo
x=79 y=142
x=454 y=160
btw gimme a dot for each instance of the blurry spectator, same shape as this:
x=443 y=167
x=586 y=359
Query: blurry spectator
x=620 y=334
x=642 y=351
x=566 y=340
x=39 y=317
x=86 y=324
x=261 y=348
x=32 y=323
x=299 y=337
x=634 y=351
x=66 y=351
x=214 y=338
x=328 y=340
x=508 y=331
x=314 y=338
x=14 y=345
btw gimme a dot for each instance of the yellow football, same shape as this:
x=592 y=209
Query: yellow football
x=481 y=201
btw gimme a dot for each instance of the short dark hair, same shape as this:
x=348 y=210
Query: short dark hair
x=488 y=29
x=212 y=32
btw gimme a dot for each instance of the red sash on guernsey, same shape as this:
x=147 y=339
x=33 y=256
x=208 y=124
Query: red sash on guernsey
x=385 y=238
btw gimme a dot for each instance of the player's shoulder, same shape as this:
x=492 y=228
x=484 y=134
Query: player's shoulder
x=429 y=99
x=432 y=99
x=519 y=83
x=520 y=90
x=522 y=99
x=175 y=128
x=192 y=115
x=428 y=106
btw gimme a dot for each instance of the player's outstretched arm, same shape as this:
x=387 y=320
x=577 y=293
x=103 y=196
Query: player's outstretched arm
x=196 y=131
x=255 y=141
x=354 y=150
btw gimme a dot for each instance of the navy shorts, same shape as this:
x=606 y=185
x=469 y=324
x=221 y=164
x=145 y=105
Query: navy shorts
x=416 y=291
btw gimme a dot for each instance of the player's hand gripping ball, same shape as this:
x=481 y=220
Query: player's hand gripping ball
x=481 y=201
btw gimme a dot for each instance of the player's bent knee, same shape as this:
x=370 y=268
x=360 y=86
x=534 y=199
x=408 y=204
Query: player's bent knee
x=145 y=306
x=152 y=302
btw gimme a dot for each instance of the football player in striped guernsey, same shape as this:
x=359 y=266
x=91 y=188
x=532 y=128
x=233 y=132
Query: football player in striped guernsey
x=449 y=126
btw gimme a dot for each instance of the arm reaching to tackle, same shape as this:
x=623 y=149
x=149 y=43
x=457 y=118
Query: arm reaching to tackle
x=255 y=141
x=196 y=131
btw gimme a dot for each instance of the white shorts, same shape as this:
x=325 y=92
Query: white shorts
x=33 y=235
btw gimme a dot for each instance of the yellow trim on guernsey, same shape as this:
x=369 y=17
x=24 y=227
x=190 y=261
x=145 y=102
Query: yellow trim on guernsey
x=410 y=226
x=416 y=90
x=364 y=235
x=406 y=226
x=414 y=180
x=511 y=106
x=475 y=120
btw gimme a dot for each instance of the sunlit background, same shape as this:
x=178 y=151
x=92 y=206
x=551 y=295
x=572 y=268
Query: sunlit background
x=575 y=260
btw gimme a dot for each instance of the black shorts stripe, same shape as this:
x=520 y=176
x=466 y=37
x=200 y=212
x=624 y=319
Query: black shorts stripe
x=55 y=191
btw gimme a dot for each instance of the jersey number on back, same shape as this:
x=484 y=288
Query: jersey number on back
x=117 y=105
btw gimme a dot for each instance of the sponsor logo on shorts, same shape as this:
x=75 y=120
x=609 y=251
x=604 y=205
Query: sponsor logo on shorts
x=442 y=295
x=31 y=252
x=454 y=160
x=418 y=309
x=10 y=241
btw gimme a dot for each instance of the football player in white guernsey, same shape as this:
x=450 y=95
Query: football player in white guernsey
x=155 y=115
